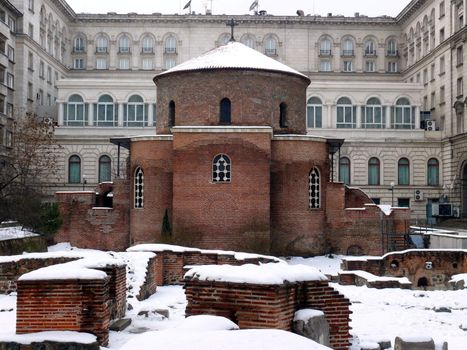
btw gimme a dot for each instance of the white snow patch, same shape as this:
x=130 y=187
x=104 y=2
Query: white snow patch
x=272 y=273
x=385 y=208
x=207 y=323
x=55 y=336
x=373 y=278
x=306 y=314
x=248 y=339
x=7 y=233
x=458 y=278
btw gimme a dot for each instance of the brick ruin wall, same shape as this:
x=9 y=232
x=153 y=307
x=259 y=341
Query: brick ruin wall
x=149 y=285
x=271 y=306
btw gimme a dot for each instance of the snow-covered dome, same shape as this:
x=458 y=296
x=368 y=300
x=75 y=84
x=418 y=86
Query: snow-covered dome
x=233 y=55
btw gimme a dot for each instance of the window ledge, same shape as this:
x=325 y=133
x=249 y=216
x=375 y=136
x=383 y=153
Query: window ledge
x=459 y=65
x=432 y=80
x=442 y=103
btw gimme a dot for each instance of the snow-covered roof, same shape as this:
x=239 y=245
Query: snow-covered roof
x=233 y=55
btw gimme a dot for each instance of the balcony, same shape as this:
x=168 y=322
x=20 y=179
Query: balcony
x=124 y=50
x=270 y=52
x=170 y=50
x=325 y=53
x=392 y=53
x=370 y=53
x=79 y=50
x=102 y=50
x=147 y=50
x=347 y=53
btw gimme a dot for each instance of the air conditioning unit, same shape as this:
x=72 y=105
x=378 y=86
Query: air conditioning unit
x=418 y=195
x=456 y=212
x=445 y=209
x=430 y=125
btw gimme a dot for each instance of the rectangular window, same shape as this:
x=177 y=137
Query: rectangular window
x=370 y=66
x=442 y=95
x=442 y=65
x=10 y=80
x=441 y=9
x=460 y=87
x=169 y=62
x=441 y=35
x=101 y=63
x=30 y=91
x=78 y=63
x=49 y=75
x=2 y=74
x=425 y=103
x=147 y=63
x=403 y=202
x=346 y=117
x=432 y=71
x=2 y=104
x=12 y=24
x=418 y=78
x=40 y=97
x=41 y=70
x=433 y=100
x=348 y=66
x=2 y=15
x=31 y=31
x=49 y=100
x=2 y=44
x=392 y=67
x=9 y=139
x=124 y=63
x=31 y=61
x=9 y=110
x=425 y=76
x=325 y=66
x=460 y=55
x=11 y=53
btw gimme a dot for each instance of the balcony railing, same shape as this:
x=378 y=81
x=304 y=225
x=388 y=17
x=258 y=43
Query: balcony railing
x=124 y=50
x=325 y=53
x=347 y=53
x=392 y=53
x=171 y=50
x=270 y=52
x=370 y=53
x=100 y=49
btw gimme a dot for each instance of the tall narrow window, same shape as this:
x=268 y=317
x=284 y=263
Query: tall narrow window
x=135 y=112
x=171 y=113
x=148 y=44
x=79 y=45
x=314 y=189
x=373 y=171
x=325 y=47
x=124 y=44
x=225 y=112
x=283 y=115
x=74 y=169
x=403 y=116
x=433 y=172
x=221 y=168
x=345 y=113
x=170 y=45
x=139 y=188
x=403 y=171
x=75 y=111
x=344 y=170
x=105 y=111
x=314 y=113
x=102 y=44
x=104 y=168
x=270 y=46
x=373 y=114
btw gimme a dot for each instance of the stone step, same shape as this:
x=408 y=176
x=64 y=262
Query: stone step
x=120 y=324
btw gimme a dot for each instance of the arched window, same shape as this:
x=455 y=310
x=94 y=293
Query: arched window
x=325 y=47
x=370 y=48
x=391 y=49
x=283 y=115
x=347 y=47
x=403 y=115
x=170 y=45
x=345 y=113
x=344 y=170
x=74 y=169
x=148 y=44
x=221 y=168
x=314 y=189
x=433 y=172
x=171 y=114
x=314 y=113
x=223 y=39
x=135 y=112
x=139 y=188
x=373 y=117
x=403 y=171
x=79 y=44
x=105 y=111
x=249 y=41
x=105 y=166
x=270 y=46
x=373 y=171
x=225 y=112
x=75 y=111
x=124 y=44
x=102 y=44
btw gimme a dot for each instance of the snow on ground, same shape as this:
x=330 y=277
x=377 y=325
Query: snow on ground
x=378 y=314
x=14 y=232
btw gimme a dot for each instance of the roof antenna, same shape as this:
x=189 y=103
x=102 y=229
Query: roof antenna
x=231 y=24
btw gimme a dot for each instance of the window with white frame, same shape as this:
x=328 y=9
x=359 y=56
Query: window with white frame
x=314 y=113
x=78 y=63
x=104 y=112
x=124 y=44
x=135 y=112
x=392 y=67
x=79 y=44
x=314 y=189
x=325 y=66
x=370 y=66
x=325 y=47
x=270 y=46
x=345 y=113
x=248 y=41
x=147 y=63
x=75 y=111
x=370 y=47
x=139 y=188
x=148 y=44
x=169 y=62
x=221 y=168
x=403 y=115
x=391 y=49
x=124 y=63
x=347 y=48
x=101 y=63
x=170 y=45
x=10 y=80
x=373 y=114
x=348 y=66
x=102 y=44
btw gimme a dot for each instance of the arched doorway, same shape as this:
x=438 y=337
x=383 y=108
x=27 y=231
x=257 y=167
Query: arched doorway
x=464 y=190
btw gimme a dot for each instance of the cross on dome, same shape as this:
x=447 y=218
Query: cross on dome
x=231 y=24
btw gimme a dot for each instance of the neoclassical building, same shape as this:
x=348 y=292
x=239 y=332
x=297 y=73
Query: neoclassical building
x=393 y=88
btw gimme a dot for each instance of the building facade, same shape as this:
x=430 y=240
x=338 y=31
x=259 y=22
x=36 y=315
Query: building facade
x=391 y=87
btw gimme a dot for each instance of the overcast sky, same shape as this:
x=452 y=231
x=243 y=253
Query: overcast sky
x=239 y=7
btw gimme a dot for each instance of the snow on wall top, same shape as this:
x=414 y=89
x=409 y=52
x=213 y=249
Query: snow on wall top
x=156 y=247
x=7 y=233
x=233 y=55
x=54 y=336
x=267 y=274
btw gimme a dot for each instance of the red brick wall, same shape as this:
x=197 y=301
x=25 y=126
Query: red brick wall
x=356 y=198
x=155 y=158
x=231 y=215
x=255 y=98
x=85 y=227
x=296 y=229
x=149 y=286
x=71 y=305
x=270 y=306
x=117 y=290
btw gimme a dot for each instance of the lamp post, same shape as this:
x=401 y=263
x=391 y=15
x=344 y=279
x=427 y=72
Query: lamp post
x=84 y=181
x=392 y=193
